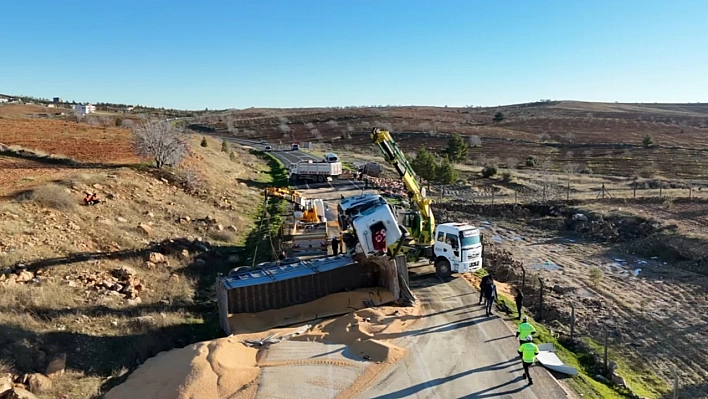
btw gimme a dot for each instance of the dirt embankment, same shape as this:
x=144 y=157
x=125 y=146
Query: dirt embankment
x=105 y=287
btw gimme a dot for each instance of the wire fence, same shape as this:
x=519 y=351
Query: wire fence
x=527 y=195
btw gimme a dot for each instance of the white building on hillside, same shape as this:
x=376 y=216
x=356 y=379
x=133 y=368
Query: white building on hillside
x=83 y=110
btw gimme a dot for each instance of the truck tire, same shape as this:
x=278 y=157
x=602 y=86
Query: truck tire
x=321 y=178
x=442 y=268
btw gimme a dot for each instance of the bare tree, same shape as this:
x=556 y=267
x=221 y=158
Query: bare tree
x=128 y=123
x=310 y=125
x=474 y=141
x=161 y=141
x=511 y=163
x=333 y=123
x=316 y=133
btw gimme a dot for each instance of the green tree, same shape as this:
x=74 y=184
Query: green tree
x=119 y=121
x=648 y=141
x=445 y=174
x=204 y=142
x=457 y=149
x=424 y=165
x=224 y=146
x=498 y=117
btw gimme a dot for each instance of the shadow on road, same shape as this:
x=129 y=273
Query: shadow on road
x=412 y=390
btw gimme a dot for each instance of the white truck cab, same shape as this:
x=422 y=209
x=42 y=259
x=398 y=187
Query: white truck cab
x=458 y=248
x=373 y=220
x=331 y=157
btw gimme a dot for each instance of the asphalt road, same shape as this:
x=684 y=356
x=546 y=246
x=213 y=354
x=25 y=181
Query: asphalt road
x=455 y=351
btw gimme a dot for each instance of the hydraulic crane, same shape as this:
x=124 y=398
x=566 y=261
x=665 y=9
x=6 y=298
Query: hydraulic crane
x=376 y=226
x=452 y=247
x=306 y=210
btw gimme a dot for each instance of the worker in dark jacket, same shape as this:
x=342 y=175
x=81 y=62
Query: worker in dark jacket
x=484 y=282
x=519 y=299
x=335 y=246
x=490 y=294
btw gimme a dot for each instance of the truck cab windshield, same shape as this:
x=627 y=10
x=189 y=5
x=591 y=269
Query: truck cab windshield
x=469 y=238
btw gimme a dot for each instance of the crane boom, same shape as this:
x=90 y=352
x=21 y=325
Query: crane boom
x=423 y=229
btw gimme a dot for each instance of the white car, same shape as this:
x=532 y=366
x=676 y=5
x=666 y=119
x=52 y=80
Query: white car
x=268 y=148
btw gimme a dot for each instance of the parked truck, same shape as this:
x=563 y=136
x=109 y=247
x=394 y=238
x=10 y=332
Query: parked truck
x=317 y=171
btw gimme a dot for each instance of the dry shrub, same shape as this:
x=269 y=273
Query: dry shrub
x=75 y=384
x=52 y=196
x=6 y=368
x=191 y=180
x=48 y=295
x=223 y=236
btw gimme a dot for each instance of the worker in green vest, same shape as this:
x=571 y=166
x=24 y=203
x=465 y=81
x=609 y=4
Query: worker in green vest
x=528 y=352
x=525 y=330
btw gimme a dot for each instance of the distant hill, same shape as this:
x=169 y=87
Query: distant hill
x=605 y=137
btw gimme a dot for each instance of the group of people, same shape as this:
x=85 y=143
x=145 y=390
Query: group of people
x=527 y=349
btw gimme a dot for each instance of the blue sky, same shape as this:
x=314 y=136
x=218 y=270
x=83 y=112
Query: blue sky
x=239 y=54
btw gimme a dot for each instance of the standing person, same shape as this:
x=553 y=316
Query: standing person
x=528 y=351
x=482 y=284
x=490 y=293
x=519 y=299
x=335 y=246
x=525 y=331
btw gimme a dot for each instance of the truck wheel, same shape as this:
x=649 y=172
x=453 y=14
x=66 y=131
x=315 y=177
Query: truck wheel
x=320 y=178
x=442 y=268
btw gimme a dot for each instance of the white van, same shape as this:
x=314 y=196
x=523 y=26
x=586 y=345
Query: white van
x=331 y=158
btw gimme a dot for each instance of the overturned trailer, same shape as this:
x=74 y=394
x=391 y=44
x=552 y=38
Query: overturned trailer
x=297 y=283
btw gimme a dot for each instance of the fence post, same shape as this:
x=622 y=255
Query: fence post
x=690 y=191
x=492 y=196
x=605 y=358
x=676 y=382
x=572 y=321
x=567 y=196
x=635 y=189
x=540 y=299
x=544 y=192
x=660 y=187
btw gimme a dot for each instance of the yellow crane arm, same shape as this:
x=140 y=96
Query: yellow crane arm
x=394 y=156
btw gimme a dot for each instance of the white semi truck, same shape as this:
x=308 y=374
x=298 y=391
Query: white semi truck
x=317 y=171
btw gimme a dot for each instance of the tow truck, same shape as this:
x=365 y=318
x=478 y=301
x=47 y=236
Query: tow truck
x=451 y=247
